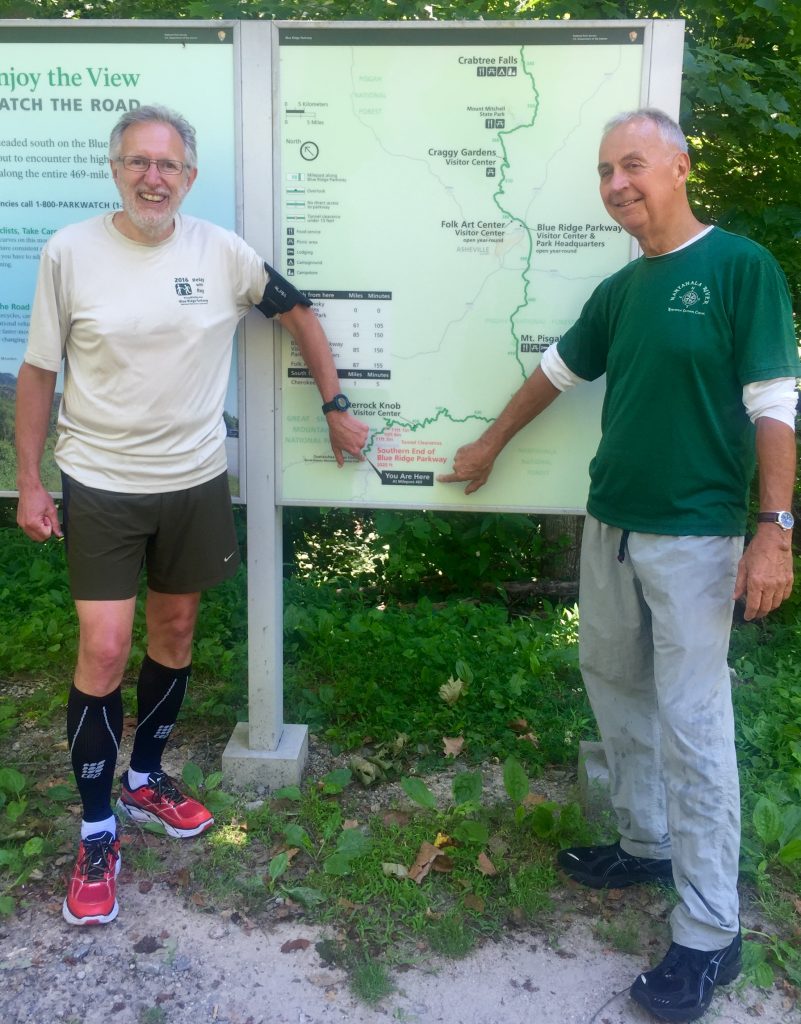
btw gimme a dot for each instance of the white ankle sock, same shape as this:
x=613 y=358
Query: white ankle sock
x=90 y=828
x=137 y=779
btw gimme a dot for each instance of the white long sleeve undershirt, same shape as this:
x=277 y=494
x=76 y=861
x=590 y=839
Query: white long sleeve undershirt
x=774 y=398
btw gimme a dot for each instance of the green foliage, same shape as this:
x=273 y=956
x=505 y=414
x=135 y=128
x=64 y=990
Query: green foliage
x=371 y=982
x=418 y=791
x=35 y=607
x=409 y=553
x=20 y=850
x=206 y=790
x=356 y=672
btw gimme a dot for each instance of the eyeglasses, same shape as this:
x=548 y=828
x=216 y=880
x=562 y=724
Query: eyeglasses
x=141 y=164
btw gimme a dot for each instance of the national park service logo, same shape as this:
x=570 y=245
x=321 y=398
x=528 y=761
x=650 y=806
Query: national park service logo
x=690 y=297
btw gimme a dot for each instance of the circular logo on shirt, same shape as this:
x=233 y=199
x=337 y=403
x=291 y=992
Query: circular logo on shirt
x=690 y=297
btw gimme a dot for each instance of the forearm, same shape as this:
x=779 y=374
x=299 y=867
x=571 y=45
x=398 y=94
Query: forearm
x=765 y=573
x=776 y=455
x=35 y=390
x=532 y=398
x=314 y=348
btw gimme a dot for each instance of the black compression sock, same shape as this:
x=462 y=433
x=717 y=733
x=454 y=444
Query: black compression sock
x=94 y=730
x=160 y=693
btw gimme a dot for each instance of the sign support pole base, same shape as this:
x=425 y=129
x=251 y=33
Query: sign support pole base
x=243 y=767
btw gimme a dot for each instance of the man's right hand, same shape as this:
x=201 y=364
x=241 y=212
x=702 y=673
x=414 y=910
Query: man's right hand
x=36 y=513
x=472 y=462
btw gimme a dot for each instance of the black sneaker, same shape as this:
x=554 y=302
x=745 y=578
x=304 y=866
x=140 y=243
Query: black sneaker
x=610 y=867
x=681 y=987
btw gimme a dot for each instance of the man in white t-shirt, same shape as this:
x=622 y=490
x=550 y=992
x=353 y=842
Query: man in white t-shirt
x=140 y=307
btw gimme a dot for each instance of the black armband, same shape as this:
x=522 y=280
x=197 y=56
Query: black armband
x=279 y=295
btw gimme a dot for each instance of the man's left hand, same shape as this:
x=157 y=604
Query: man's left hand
x=347 y=434
x=765 y=572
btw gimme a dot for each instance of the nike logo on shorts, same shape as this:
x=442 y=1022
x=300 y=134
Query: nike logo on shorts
x=229 y=557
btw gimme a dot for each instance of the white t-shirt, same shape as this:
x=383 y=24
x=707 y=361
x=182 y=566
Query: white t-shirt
x=145 y=335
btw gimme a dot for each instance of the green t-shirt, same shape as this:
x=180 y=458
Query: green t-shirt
x=678 y=336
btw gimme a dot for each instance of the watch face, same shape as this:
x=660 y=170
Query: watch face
x=786 y=521
x=341 y=402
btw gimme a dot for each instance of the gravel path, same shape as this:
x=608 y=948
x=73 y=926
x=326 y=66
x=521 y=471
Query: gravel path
x=164 y=962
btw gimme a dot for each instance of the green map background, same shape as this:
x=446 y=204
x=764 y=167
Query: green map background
x=458 y=312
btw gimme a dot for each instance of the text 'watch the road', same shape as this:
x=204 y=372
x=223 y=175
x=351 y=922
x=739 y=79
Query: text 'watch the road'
x=782 y=519
x=339 y=403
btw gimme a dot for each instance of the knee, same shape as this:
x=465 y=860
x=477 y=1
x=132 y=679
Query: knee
x=101 y=663
x=177 y=632
x=171 y=641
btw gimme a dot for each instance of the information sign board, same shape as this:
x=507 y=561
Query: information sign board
x=439 y=202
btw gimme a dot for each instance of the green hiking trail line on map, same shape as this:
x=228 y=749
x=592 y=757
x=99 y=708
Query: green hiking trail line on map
x=496 y=197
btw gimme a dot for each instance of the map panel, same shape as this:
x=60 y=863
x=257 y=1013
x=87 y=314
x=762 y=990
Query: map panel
x=439 y=203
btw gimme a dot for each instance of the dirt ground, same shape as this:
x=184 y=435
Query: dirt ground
x=166 y=960
x=163 y=961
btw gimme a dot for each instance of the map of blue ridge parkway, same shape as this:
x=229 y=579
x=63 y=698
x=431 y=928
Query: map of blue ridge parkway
x=439 y=204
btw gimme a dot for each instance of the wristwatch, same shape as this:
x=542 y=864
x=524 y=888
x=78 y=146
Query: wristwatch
x=784 y=520
x=339 y=403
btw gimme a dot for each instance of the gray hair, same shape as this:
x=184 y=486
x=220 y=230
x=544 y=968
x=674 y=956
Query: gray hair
x=162 y=115
x=669 y=129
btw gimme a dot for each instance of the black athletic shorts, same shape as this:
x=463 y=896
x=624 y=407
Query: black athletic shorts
x=185 y=539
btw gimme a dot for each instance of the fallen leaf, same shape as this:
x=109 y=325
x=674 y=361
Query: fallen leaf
x=198 y=899
x=399 y=818
x=485 y=865
x=148 y=944
x=433 y=915
x=533 y=799
x=529 y=737
x=474 y=902
x=518 y=725
x=452 y=745
x=293 y=945
x=442 y=840
x=145 y=886
x=283 y=803
x=291 y=853
x=395 y=870
x=350 y=823
x=442 y=864
x=348 y=904
x=426 y=856
x=451 y=691
x=181 y=876
x=498 y=846
x=367 y=773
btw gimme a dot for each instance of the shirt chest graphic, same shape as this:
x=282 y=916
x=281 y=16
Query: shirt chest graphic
x=691 y=297
x=191 y=291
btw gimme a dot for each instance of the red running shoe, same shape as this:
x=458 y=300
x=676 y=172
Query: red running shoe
x=160 y=800
x=91 y=897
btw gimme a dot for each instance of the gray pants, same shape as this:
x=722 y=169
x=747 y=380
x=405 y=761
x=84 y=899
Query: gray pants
x=654 y=635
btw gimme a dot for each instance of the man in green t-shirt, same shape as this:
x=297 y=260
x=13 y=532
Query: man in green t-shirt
x=696 y=340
